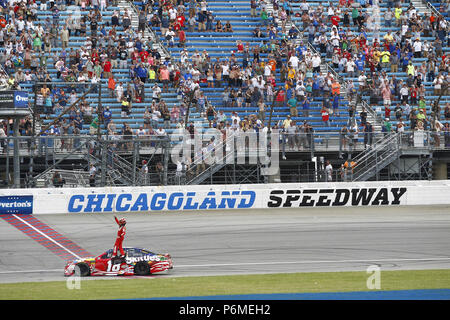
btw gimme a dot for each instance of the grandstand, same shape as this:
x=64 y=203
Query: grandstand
x=111 y=85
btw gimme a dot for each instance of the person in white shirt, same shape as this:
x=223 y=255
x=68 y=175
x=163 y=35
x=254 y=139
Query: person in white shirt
x=316 y=61
x=119 y=91
x=20 y=23
x=329 y=171
x=225 y=71
x=351 y=68
x=362 y=81
x=141 y=132
x=160 y=132
x=293 y=60
x=235 y=117
x=417 y=46
x=156 y=115
x=156 y=92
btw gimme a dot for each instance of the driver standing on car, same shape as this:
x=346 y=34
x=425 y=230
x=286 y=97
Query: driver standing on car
x=120 y=236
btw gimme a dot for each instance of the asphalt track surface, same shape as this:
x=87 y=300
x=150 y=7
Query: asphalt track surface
x=246 y=241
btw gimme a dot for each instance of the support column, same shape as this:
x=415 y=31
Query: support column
x=440 y=171
x=16 y=158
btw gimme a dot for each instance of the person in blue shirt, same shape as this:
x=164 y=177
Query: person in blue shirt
x=78 y=120
x=187 y=76
x=405 y=60
x=62 y=99
x=138 y=45
x=305 y=106
x=141 y=72
x=359 y=66
x=316 y=86
x=107 y=115
x=300 y=50
x=289 y=93
x=336 y=104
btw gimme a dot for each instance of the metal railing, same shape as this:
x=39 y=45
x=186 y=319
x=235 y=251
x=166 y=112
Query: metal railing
x=119 y=161
x=153 y=35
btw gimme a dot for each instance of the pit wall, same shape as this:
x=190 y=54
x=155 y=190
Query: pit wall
x=228 y=197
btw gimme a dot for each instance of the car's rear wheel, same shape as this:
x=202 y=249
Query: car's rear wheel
x=83 y=269
x=142 y=268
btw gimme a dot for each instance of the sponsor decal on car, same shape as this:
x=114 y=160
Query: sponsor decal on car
x=143 y=258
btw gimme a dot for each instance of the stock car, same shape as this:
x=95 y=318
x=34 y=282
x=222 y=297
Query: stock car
x=137 y=261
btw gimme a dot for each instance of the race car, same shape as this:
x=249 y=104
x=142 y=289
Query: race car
x=137 y=261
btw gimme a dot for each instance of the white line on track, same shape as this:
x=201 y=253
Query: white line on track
x=31 y=271
x=52 y=240
x=268 y=263
x=312 y=262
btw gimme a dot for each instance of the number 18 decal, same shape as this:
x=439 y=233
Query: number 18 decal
x=113 y=267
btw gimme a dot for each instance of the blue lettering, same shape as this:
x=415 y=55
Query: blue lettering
x=178 y=204
x=109 y=204
x=120 y=198
x=158 y=205
x=94 y=203
x=209 y=202
x=189 y=205
x=141 y=202
x=250 y=202
x=230 y=202
x=72 y=202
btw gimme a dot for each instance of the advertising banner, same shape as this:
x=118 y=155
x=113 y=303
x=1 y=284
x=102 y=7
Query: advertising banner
x=10 y=99
x=222 y=197
x=16 y=204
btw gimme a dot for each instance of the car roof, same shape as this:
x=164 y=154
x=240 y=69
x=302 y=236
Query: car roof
x=128 y=248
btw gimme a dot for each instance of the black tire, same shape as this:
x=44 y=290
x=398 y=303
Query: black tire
x=83 y=269
x=142 y=269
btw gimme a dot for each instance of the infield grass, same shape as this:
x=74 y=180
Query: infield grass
x=154 y=286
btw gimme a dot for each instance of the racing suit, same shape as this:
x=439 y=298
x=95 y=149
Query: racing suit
x=119 y=240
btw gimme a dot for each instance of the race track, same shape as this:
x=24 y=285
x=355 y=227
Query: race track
x=247 y=241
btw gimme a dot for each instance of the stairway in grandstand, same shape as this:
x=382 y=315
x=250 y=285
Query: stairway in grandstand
x=222 y=45
x=325 y=67
x=373 y=160
x=135 y=120
x=421 y=9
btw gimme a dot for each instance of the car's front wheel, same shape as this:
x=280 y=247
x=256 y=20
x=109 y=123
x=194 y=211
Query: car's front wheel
x=142 y=268
x=83 y=269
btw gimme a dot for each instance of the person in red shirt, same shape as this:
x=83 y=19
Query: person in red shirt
x=335 y=20
x=280 y=97
x=144 y=55
x=181 y=19
x=182 y=38
x=325 y=116
x=240 y=46
x=107 y=69
x=120 y=236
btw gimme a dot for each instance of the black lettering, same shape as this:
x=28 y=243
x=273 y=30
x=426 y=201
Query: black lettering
x=276 y=201
x=397 y=193
x=341 y=202
x=382 y=197
x=323 y=200
x=290 y=198
x=360 y=195
x=306 y=201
